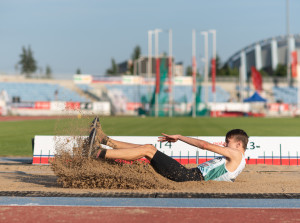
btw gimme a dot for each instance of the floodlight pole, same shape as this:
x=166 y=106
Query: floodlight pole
x=288 y=43
x=194 y=70
x=156 y=32
x=170 y=74
x=205 y=59
x=242 y=75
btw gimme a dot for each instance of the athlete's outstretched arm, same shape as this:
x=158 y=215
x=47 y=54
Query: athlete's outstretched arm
x=174 y=138
x=198 y=143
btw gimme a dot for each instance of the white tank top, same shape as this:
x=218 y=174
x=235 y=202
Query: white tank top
x=215 y=169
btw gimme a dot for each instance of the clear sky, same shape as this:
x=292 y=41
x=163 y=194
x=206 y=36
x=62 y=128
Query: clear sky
x=86 y=34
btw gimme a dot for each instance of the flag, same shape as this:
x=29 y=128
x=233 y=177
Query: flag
x=294 y=63
x=256 y=79
x=157 y=90
x=170 y=74
x=213 y=74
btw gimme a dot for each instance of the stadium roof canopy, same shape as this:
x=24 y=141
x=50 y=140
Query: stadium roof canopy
x=265 y=54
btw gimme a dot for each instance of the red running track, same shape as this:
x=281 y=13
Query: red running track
x=82 y=214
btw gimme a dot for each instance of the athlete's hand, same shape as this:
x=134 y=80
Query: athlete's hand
x=169 y=138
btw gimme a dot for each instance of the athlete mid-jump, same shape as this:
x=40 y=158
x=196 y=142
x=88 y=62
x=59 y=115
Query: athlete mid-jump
x=224 y=168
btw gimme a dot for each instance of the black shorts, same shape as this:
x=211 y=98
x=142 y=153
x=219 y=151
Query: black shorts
x=171 y=169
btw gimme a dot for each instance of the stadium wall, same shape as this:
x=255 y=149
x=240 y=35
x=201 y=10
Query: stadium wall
x=58 y=108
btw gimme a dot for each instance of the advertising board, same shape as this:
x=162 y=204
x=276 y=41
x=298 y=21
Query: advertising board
x=260 y=150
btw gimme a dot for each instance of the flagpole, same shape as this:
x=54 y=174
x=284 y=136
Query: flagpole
x=205 y=34
x=156 y=31
x=213 y=67
x=288 y=43
x=194 y=70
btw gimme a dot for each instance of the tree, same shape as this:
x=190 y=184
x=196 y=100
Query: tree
x=136 y=53
x=280 y=70
x=27 y=62
x=227 y=71
x=189 y=71
x=78 y=71
x=114 y=68
x=134 y=56
x=263 y=73
x=48 y=73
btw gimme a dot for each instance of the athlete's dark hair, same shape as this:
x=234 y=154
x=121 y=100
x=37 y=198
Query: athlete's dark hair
x=239 y=135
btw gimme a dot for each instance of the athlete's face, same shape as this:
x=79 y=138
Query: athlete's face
x=231 y=142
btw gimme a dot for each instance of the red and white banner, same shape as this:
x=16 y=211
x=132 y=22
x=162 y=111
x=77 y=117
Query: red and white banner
x=132 y=106
x=72 y=105
x=42 y=105
x=278 y=107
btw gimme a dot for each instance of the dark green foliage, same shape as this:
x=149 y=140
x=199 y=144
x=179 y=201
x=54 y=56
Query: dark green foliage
x=48 y=73
x=27 y=62
x=134 y=56
x=78 y=71
x=280 y=70
x=114 y=68
x=136 y=53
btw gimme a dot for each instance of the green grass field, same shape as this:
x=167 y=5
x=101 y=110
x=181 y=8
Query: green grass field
x=16 y=136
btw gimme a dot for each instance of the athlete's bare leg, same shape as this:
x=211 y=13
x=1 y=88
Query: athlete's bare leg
x=115 y=144
x=132 y=153
x=122 y=150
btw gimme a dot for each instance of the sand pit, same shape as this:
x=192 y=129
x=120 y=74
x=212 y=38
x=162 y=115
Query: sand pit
x=17 y=176
x=79 y=172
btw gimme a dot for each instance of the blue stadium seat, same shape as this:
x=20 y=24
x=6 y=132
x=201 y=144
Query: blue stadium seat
x=40 y=92
x=286 y=94
x=134 y=93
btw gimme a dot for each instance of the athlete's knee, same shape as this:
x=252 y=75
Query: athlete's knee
x=150 y=150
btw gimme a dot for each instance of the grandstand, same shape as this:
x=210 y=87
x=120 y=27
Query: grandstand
x=31 y=92
x=21 y=96
x=126 y=98
x=126 y=95
x=130 y=96
x=286 y=94
x=134 y=93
